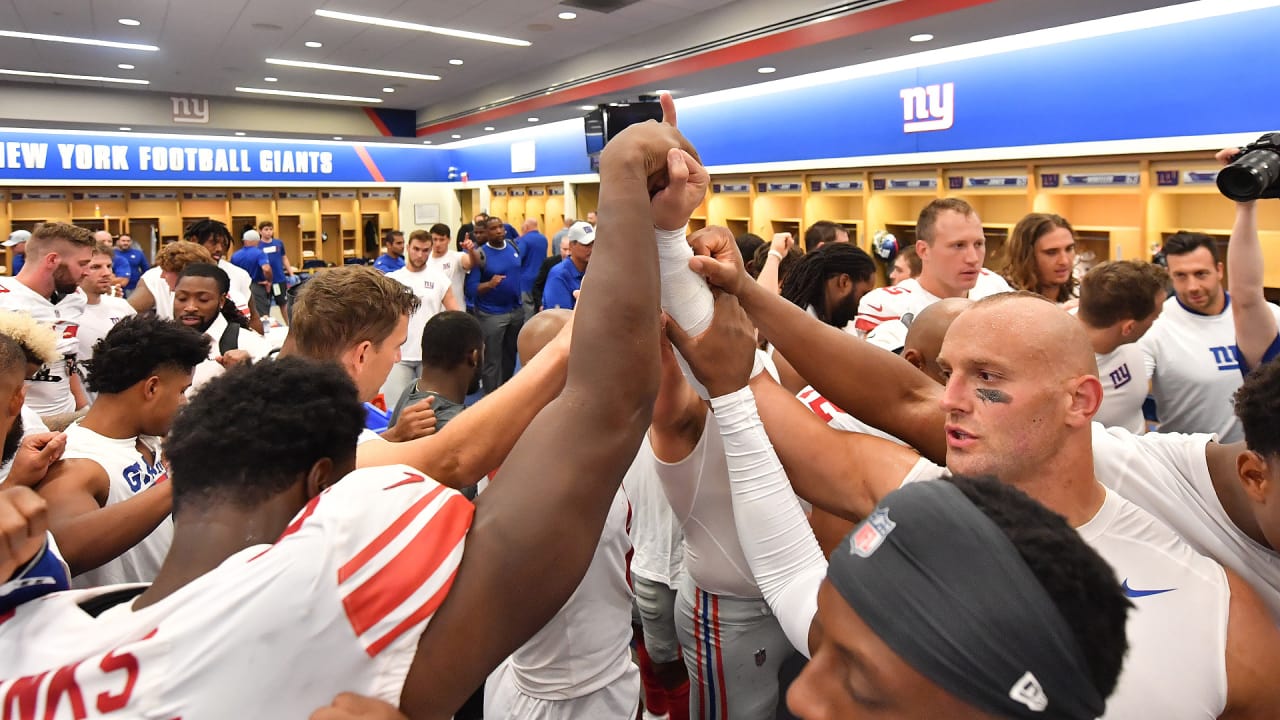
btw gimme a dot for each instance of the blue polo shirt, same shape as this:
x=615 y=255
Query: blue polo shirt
x=274 y=251
x=563 y=279
x=505 y=297
x=385 y=263
x=251 y=260
x=129 y=263
x=533 y=250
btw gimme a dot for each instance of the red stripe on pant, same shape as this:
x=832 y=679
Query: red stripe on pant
x=720 y=683
x=697 y=641
x=655 y=696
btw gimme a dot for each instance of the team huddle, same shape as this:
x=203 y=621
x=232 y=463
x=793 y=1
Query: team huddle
x=713 y=471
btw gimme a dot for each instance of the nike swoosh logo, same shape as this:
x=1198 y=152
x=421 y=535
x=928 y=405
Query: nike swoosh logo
x=877 y=308
x=1131 y=593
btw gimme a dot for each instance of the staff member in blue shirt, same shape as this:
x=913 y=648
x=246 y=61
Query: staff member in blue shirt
x=498 y=304
x=252 y=260
x=566 y=277
x=129 y=262
x=392 y=257
x=533 y=250
x=17 y=244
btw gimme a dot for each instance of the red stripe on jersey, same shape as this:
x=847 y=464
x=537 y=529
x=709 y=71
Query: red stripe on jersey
x=427 y=610
x=395 y=582
x=293 y=527
x=865 y=325
x=7 y=615
x=881 y=318
x=385 y=538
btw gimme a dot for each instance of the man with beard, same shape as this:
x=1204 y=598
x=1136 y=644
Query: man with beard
x=431 y=285
x=830 y=281
x=202 y=302
x=36 y=447
x=58 y=258
x=108 y=500
x=215 y=238
x=155 y=289
x=102 y=310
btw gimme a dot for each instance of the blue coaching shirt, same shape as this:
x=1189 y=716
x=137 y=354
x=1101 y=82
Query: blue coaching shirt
x=563 y=279
x=385 y=263
x=274 y=251
x=505 y=296
x=251 y=260
x=533 y=250
x=129 y=263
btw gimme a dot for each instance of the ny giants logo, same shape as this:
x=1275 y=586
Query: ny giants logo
x=1226 y=357
x=1121 y=376
x=928 y=108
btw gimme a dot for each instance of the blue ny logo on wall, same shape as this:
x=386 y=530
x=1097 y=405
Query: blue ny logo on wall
x=140 y=475
x=1121 y=376
x=1226 y=357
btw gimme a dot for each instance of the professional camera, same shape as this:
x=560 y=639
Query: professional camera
x=1255 y=173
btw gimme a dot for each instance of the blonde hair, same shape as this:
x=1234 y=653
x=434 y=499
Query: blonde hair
x=177 y=255
x=345 y=306
x=39 y=342
x=49 y=233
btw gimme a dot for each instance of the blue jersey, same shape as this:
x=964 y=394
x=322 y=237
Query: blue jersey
x=43 y=574
x=504 y=297
x=563 y=279
x=385 y=263
x=274 y=251
x=130 y=263
x=533 y=250
x=18 y=261
x=251 y=260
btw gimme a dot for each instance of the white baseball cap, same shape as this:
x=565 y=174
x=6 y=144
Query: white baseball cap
x=250 y=236
x=581 y=233
x=17 y=237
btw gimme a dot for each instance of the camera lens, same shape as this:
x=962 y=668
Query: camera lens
x=1250 y=175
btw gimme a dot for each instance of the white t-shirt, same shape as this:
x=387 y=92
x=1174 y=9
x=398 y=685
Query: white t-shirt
x=129 y=474
x=655 y=532
x=96 y=322
x=587 y=645
x=1124 y=388
x=345 y=592
x=450 y=264
x=1167 y=474
x=49 y=393
x=697 y=488
x=1177 y=630
x=893 y=302
x=1194 y=369
x=241 y=292
x=154 y=281
x=247 y=340
x=431 y=286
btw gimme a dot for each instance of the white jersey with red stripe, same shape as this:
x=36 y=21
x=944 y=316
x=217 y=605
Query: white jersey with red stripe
x=837 y=418
x=338 y=603
x=909 y=297
x=49 y=391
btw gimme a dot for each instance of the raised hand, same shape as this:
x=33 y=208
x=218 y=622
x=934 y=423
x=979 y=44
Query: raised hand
x=417 y=420
x=23 y=522
x=716 y=258
x=36 y=453
x=723 y=355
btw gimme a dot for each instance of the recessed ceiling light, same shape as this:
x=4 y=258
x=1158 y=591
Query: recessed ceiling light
x=388 y=89
x=130 y=22
x=426 y=142
x=766 y=70
x=317 y=96
x=568 y=16
x=383 y=22
x=270 y=79
x=532 y=119
x=586 y=107
x=77 y=40
x=489 y=128
x=313 y=44
x=63 y=76
x=456 y=137
x=922 y=37
x=239 y=133
x=337 y=137
x=455 y=61
x=125 y=66
x=126 y=129
x=351 y=69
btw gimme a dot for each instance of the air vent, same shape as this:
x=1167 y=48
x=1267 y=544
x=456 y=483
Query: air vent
x=600 y=6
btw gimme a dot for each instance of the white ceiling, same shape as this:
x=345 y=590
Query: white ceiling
x=208 y=47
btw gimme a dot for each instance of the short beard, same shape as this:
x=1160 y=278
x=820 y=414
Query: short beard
x=62 y=281
x=12 y=441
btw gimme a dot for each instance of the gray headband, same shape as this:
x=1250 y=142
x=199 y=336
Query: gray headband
x=946 y=589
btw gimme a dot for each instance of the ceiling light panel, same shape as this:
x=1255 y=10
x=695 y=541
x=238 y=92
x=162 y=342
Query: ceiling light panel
x=77 y=40
x=401 y=25
x=351 y=69
x=315 y=96
x=63 y=76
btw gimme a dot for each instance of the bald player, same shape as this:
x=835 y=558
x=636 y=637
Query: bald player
x=579 y=664
x=1021 y=389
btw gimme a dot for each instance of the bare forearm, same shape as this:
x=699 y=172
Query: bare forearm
x=1255 y=325
x=873 y=385
x=769 y=274
x=92 y=539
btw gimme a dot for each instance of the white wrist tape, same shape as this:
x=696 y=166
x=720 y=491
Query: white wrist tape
x=685 y=295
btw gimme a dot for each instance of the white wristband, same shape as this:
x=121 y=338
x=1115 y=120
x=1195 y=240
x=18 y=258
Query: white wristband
x=775 y=254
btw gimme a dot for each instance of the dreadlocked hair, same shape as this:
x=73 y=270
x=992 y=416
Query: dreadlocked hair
x=804 y=285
